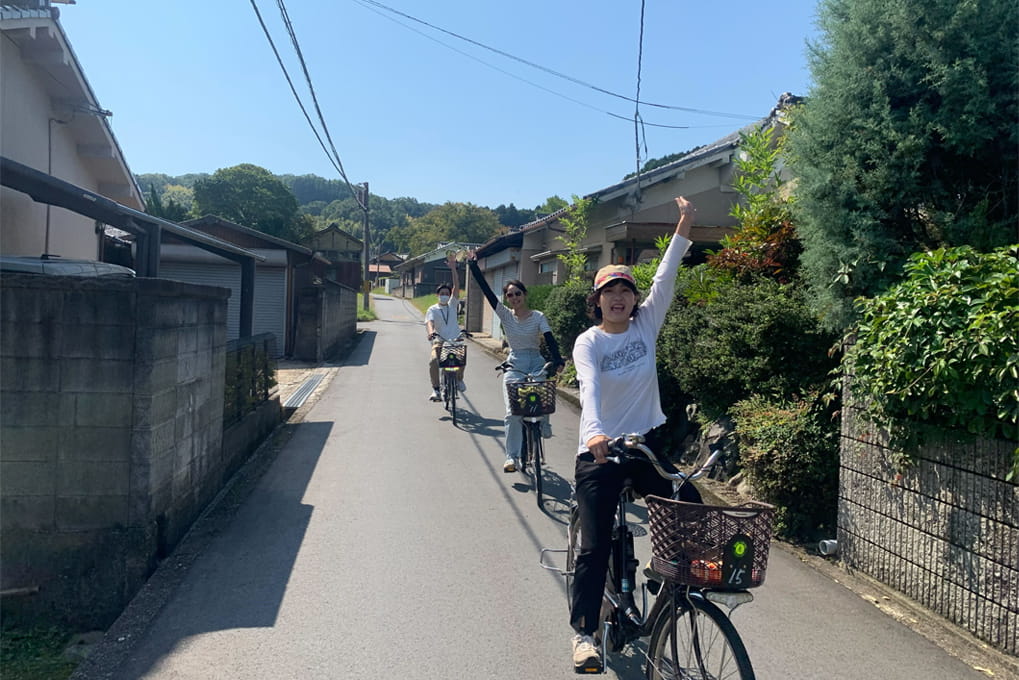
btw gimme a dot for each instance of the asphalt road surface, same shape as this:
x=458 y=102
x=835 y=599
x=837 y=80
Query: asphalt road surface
x=384 y=542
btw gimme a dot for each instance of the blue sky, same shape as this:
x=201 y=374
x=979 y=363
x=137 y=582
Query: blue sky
x=194 y=86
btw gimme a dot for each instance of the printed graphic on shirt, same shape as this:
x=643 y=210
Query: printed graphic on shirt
x=629 y=354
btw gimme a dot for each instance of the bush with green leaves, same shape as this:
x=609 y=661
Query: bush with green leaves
x=566 y=309
x=941 y=348
x=741 y=339
x=789 y=451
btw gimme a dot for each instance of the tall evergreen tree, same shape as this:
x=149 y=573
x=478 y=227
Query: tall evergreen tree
x=907 y=141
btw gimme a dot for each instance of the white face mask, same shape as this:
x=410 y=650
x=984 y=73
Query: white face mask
x=443 y=299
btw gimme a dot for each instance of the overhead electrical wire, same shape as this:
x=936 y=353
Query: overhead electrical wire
x=637 y=123
x=334 y=157
x=551 y=71
x=513 y=75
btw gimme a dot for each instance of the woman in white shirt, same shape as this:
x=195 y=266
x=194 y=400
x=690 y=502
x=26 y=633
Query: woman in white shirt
x=616 y=368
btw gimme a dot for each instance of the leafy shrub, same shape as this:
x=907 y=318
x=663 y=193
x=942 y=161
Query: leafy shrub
x=754 y=338
x=789 y=452
x=941 y=348
x=537 y=296
x=566 y=309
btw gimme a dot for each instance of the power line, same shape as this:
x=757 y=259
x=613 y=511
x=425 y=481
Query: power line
x=637 y=123
x=334 y=160
x=553 y=72
x=515 y=76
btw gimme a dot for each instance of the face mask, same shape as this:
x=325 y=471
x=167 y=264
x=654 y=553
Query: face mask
x=443 y=299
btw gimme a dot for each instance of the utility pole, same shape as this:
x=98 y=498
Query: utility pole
x=367 y=277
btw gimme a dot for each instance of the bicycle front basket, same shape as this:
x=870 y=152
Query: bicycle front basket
x=723 y=548
x=453 y=355
x=532 y=398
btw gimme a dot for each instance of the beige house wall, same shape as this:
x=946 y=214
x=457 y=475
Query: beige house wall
x=37 y=98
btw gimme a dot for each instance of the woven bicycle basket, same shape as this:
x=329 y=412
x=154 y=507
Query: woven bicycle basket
x=710 y=546
x=453 y=356
x=532 y=398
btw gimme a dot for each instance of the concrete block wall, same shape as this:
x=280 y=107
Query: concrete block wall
x=110 y=435
x=326 y=320
x=945 y=532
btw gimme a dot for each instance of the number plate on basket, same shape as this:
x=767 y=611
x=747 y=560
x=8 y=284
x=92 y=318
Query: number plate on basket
x=738 y=562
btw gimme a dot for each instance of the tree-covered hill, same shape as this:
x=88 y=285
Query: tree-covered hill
x=395 y=224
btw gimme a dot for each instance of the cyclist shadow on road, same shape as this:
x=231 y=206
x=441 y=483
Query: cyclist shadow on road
x=555 y=492
x=472 y=422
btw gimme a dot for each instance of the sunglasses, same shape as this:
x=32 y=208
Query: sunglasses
x=514 y=294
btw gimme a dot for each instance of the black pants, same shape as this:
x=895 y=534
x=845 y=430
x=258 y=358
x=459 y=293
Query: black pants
x=598 y=488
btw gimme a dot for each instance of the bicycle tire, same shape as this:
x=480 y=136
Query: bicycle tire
x=536 y=453
x=701 y=630
x=452 y=396
x=572 y=549
x=524 y=450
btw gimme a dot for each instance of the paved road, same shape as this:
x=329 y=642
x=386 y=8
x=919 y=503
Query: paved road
x=382 y=542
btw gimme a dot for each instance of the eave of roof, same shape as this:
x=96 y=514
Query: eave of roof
x=69 y=85
x=212 y=220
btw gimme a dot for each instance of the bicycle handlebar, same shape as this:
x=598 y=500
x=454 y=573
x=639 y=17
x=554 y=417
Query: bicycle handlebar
x=544 y=373
x=622 y=446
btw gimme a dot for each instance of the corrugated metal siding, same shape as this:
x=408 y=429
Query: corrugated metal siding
x=203 y=274
x=271 y=305
x=270 y=295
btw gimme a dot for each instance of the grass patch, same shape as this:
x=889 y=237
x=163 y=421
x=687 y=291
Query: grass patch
x=362 y=313
x=35 y=654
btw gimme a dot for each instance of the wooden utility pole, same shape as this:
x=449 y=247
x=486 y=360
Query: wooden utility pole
x=367 y=278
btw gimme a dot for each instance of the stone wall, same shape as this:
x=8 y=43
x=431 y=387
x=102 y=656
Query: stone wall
x=944 y=532
x=111 y=403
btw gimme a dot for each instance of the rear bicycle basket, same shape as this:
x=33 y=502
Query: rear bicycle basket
x=453 y=354
x=535 y=398
x=723 y=548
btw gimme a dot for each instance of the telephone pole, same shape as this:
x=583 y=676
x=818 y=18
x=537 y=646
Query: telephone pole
x=367 y=278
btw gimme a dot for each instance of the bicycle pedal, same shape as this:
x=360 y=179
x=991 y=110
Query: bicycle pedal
x=588 y=669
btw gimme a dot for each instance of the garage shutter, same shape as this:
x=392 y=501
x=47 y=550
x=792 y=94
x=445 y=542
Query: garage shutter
x=202 y=274
x=270 y=295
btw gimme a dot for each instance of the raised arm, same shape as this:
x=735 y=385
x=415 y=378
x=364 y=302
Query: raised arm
x=451 y=261
x=472 y=262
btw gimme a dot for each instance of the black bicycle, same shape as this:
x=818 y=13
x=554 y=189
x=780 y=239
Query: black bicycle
x=532 y=398
x=452 y=359
x=704 y=558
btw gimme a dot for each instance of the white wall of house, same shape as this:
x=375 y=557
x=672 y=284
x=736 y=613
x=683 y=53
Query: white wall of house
x=34 y=95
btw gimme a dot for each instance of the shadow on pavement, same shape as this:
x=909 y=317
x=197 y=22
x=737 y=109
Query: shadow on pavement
x=230 y=571
x=363 y=349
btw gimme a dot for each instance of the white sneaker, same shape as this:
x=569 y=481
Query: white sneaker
x=435 y=396
x=509 y=466
x=586 y=656
x=462 y=386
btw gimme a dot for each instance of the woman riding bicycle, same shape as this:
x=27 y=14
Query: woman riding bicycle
x=524 y=329
x=616 y=368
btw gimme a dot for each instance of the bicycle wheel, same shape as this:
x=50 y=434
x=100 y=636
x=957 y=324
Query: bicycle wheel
x=525 y=451
x=572 y=550
x=452 y=389
x=536 y=453
x=693 y=639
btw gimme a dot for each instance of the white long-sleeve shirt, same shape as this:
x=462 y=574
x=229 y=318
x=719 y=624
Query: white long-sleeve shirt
x=617 y=372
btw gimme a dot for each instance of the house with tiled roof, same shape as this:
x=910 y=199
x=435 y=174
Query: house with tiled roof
x=625 y=220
